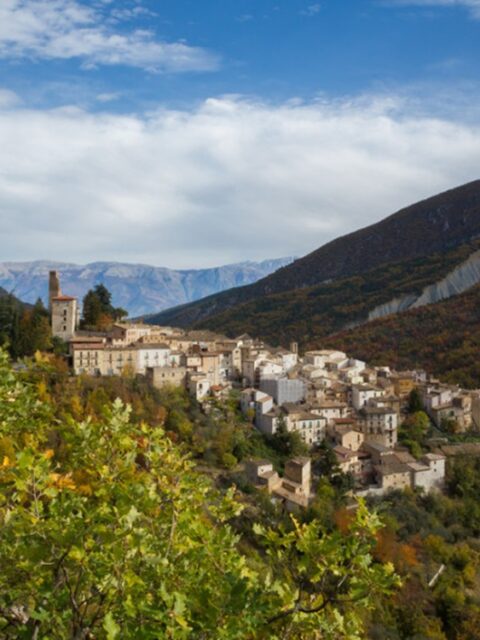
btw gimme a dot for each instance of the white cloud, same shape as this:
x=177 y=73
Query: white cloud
x=311 y=10
x=245 y=17
x=8 y=98
x=108 y=97
x=64 y=29
x=472 y=5
x=231 y=180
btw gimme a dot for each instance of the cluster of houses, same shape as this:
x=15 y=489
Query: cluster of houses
x=324 y=395
x=328 y=397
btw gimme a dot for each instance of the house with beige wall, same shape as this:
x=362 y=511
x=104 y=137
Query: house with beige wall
x=161 y=377
x=87 y=356
x=379 y=424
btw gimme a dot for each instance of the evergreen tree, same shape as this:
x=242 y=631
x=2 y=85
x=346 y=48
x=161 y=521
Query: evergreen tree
x=415 y=403
x=24 y=330
x=34 y=331
x=98 y=311
x=287 y=443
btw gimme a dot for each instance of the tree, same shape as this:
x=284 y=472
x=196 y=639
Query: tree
x=413 y=431
x=450 y=425
x=98 y=311
x=11 y=313
x=104 y=296
x=34 y=331
x=288 y=443
x=326 y=463
x=107 y=531
x=9 y=318
x=415 y=403
x=92 y=309
x=24 y=330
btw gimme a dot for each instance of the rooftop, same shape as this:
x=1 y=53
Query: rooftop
x=392 y=467
x=343 y=452
x=376 y=446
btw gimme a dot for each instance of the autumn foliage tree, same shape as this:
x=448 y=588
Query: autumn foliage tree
x=107 y=531
x=24 y=329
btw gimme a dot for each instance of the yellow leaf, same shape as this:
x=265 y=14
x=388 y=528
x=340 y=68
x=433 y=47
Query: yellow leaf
x=85 y=489
x=49 y=453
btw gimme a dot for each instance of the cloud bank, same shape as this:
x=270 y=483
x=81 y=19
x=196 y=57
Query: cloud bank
x=231 y=180
x=66 y=29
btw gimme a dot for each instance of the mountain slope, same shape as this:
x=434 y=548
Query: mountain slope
x=140 y=289
x=311 y=314
x=442 y=338
x=437 y=224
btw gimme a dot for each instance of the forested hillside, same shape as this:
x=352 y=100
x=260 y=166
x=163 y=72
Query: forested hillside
x=443 y=339
x=435 y=225
x=311 y=314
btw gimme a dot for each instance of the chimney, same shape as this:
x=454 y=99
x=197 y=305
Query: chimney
x=53 y=288
x=294 y=347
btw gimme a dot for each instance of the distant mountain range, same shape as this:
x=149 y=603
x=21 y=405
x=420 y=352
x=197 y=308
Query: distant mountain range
x=356 y=290
x=140 y=289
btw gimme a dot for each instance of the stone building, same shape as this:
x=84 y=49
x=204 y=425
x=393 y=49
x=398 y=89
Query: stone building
x=64 y=310
x=167 y=376
x=64 y=317
x=293 y=490
x=53 y=288
x=379 y=424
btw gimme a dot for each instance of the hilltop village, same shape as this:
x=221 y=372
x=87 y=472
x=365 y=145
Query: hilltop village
x=325 y=395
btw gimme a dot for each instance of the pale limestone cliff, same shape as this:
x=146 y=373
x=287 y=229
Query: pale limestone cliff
x=462 y=278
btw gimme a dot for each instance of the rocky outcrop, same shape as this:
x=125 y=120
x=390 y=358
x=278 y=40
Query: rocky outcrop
x=459 y=280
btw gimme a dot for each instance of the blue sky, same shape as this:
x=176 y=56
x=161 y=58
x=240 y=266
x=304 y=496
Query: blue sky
x=186 y=133
x=277 y=50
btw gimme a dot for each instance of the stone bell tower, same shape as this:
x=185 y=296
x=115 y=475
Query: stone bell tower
x=63 y=310
x=53 y=288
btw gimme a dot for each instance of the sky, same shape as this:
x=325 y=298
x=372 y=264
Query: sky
x=194 y=133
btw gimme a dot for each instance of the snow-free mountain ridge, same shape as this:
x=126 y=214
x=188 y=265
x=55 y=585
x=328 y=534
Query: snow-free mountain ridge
x=138 y=288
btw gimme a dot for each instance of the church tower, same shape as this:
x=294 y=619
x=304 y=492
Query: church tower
x=53 y=288
x=63 y=309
